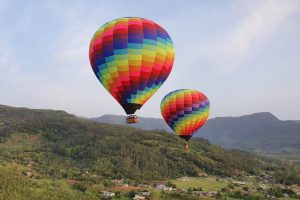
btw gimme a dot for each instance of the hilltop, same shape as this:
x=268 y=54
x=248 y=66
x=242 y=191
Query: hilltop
x=260 y=133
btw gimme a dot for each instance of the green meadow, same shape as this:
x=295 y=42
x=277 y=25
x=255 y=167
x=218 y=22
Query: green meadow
x=206 y=183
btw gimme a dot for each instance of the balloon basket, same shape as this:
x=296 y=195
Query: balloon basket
x=186 y=146
x=131 y=119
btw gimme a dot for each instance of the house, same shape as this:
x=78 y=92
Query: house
x=210 y=194
x=108 y=194
x=202 y=174
x=163 y=187
x=144 y=185
x=138 y=197
x=160 y=186
x=167 y=188
x=145 y=194
x=239 y=183
x=118 y=181
x=156 y=183
x=200 y=193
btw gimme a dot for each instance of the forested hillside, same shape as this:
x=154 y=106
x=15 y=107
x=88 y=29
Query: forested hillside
x=57 y=144
x=53 y=140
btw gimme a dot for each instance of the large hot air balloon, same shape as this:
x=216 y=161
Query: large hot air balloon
x=185 y=111
x=132 y=57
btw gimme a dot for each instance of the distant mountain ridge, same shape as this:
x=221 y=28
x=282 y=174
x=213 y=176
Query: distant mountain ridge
x=256 y=132
x=259 y=132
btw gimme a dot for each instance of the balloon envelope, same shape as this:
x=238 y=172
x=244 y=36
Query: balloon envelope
x=132 y=58
x=185 y=111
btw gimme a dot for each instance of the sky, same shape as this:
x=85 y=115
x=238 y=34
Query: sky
x=244 y=55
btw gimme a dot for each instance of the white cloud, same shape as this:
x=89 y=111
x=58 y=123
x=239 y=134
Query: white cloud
x=248 y=25
x=240 y=43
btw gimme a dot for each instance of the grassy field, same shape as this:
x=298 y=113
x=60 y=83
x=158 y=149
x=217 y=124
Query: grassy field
x=206 y=183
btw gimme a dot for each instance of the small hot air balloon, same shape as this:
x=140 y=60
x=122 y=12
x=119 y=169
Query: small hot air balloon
x=132 y=57
x=185 y=111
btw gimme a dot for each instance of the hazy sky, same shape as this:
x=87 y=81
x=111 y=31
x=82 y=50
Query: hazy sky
x=244 y=55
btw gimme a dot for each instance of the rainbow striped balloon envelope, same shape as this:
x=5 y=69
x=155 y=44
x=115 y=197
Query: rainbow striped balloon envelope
x=185 y=111
x=132 y=57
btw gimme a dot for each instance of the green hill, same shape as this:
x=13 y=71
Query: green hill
x=260 y=133
x=57 y=144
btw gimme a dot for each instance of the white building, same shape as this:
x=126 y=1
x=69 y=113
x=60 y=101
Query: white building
x=138 y=197
x=108 y=194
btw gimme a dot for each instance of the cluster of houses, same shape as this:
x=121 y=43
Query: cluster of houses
x=159 y=185
x=142 y=195
x=108 y=195
x=162 y=186
x=236 y=186
x=139 y=196
x=205 y=194
x=239 y=183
